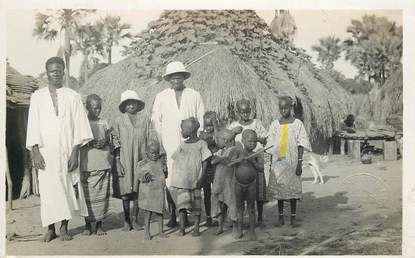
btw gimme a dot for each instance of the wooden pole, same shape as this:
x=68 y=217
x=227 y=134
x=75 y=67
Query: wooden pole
x=9 y=184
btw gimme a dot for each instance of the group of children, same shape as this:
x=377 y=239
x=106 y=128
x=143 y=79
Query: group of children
x=227 y=163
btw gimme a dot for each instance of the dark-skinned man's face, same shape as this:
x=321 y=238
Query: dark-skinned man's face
x=55 y=73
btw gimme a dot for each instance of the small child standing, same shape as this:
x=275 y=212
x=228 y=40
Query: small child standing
x=152 y=187
x=189 y=171
x=288 y=139
x=244 y=111
x=128 y=131
x=95 y=164
x=208 y=135
x=246 y=173
x=223 y=188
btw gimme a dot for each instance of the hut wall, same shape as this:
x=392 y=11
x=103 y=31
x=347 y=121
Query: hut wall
x=19 y=157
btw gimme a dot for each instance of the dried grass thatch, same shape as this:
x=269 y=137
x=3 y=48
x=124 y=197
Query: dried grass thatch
x=19 y=87
x=237 y=57
x=389 y=100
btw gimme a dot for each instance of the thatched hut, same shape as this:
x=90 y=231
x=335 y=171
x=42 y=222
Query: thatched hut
x=19 y=89
x=231 y=55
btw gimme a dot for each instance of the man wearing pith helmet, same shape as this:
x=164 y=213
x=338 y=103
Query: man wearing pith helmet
x=170 y=107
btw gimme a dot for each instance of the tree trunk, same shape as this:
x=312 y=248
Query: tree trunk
x=109 y=55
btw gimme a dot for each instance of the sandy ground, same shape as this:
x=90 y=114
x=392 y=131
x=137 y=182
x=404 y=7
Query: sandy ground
x=369 y=209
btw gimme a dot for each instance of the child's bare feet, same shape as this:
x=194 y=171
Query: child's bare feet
x=181 y=232
x=219 y=231
x=137 y=227
x=294 y=222
x=280 y=221
x=49 y=236
x=147 y=236
x=64 y=235
x=99 y=230
x=195 y=233
x=172 y=223
x=163 y=235
x=127 y=226
x=87 y=232
x=261 y=224
x=252 y=236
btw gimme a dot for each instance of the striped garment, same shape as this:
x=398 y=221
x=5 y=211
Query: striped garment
x=96 y=187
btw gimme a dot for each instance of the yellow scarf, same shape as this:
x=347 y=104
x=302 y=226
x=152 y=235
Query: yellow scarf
x=284 y=142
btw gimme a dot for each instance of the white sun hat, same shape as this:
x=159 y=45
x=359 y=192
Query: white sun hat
x=176 y=67
x=130 y=95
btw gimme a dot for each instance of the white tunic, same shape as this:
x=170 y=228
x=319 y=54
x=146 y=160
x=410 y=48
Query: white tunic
x=167 y=116
x=56 y=136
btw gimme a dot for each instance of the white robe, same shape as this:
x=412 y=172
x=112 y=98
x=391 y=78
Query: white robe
x=167 y=116
x=56 y=136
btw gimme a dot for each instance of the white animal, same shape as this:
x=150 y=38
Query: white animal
x=313 y=161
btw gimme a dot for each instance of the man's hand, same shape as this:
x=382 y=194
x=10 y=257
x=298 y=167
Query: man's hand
x=199 y=183
x=37 y=158
x=148 y=177
x=237 y=130
x=73 y=159
x=120 y=168
x=299 y=169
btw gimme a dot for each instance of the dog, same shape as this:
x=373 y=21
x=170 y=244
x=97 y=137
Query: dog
x=313 y=161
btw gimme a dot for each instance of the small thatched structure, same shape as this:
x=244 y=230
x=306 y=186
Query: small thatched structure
x=231 y=55
x=383 y=104
x=389 y=100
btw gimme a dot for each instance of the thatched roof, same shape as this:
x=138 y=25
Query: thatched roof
x=19 y=87
x=247 y=63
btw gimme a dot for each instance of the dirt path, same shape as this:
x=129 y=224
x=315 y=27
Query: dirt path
x=370 y=207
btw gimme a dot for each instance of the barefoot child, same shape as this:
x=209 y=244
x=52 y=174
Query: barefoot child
x=128 y=130
x=246 y=172
x=189 y=171
x=223 y=183
x=95 y=164
x=152 y=187
x=244 y=111
x=289 y=138
x=208 y=134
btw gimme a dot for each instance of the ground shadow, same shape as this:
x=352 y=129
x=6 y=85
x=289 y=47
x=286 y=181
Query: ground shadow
x=269 y=239
x=326 y=178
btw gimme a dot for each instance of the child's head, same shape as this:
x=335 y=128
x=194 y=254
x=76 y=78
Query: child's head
x=349 y=121
x=249 y=139
x=130 y=102
x=208 y=121
x=225 y=138
x=93 y=105
x=285 y=105
x=153 y=150
x=243 y=108
x=189 y=127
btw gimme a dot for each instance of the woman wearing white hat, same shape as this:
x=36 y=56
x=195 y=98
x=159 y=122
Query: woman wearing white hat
x=170 y=107
x=128 y=131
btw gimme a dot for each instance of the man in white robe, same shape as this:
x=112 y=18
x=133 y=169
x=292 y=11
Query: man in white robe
x=57 y=127
x=170 y=107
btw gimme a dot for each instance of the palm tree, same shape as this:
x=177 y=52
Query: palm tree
x=283 y=26
x=88 y=41
x=113 y=31
x=49 y=26
x=329 y=50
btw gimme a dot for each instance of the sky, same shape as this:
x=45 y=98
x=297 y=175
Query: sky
x=28 y=54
